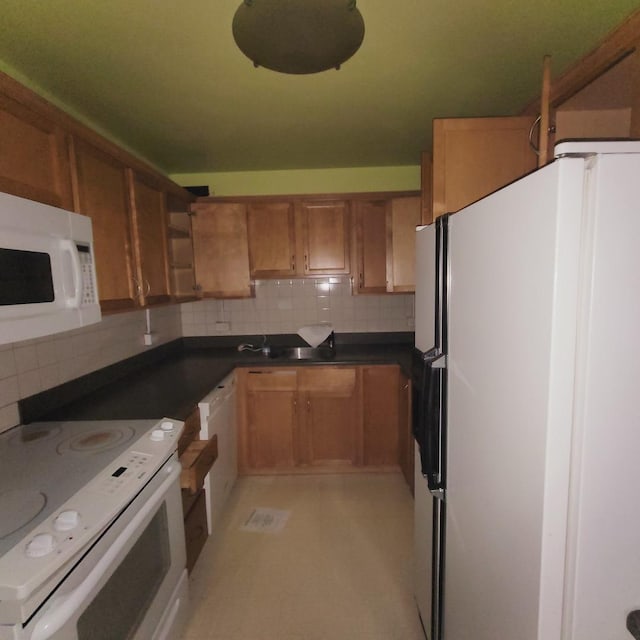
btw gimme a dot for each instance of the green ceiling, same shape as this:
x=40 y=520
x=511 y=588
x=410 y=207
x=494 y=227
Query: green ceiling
x=167 y=79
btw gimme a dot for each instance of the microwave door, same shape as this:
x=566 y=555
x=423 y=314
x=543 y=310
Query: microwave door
x=25 y=277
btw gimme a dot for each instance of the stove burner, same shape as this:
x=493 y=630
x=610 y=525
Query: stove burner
x=96 y=440
x=27 y=435
x=18 y=508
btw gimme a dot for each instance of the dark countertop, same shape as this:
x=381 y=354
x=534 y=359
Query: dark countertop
x=172 y=384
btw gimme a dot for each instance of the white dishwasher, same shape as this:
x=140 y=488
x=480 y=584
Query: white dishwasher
x=218 y=416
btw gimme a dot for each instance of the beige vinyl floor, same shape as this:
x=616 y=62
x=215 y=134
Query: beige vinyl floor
x=339 y=569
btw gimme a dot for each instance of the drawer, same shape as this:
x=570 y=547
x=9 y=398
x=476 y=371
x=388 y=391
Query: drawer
x=188 y=500
x=190 y=431
x=196 y=461
x=272 y=380
x=330 y=381
x=195 y=530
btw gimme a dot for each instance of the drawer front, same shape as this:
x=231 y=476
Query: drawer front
x=196 y=461
x=195 y=530
x=272 y=380
x=190 y=431
x=327 y=380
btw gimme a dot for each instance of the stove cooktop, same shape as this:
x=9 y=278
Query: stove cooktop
x=43 y=464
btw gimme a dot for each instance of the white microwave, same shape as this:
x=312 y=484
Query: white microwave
x=47 y=270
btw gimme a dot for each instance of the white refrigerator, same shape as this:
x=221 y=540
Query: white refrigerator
x=527 y=406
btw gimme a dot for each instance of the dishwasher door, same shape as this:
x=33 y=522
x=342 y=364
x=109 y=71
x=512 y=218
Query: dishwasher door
x=218 y=416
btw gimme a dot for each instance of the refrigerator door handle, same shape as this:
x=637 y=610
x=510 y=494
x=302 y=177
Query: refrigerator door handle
x=430 y=419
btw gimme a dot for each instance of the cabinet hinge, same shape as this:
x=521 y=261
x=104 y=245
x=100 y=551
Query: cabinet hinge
x=197 y=287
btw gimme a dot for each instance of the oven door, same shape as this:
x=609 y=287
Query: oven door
x=132 y=583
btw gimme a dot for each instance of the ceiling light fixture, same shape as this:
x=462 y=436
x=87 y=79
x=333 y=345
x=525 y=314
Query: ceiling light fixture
x=298 y=36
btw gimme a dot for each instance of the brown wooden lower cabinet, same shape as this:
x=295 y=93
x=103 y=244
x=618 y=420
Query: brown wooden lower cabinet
x=380 y=421
x=329 y=417
x=319 y=418
x=271 y=417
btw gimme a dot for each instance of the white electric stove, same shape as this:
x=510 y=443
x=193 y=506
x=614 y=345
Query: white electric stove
x=77 y=499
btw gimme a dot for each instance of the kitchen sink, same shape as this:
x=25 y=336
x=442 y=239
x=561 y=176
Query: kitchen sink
x=304 y=353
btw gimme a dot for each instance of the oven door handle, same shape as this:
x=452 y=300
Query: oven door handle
x=63 y=608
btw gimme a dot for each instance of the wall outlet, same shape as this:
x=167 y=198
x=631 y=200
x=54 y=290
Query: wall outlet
x=149 y=339
x=223 y=326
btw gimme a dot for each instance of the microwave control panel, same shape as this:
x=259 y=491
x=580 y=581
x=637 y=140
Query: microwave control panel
x=89 y=295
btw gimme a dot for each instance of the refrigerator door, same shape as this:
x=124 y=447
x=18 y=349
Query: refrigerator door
x=423 y=544
x=604 y=528
x=514 y=265
x=429 y=384
x=425 y=339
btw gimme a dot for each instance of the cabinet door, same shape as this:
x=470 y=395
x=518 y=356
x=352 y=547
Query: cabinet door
x=180 y=245
x=101 y=192
x=371 y=246
x=325 y=237
x=220 y=250
x=271 y=230
x=474 y=156
x=403 y=216
x=271 y=419
x=380 y=415
x=329 y=422
x=34 y=161
x=426 y=187
x=150 y=234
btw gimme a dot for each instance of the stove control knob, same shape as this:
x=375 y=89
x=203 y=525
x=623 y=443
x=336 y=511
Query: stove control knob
x=66 y=520
x=40 y=545
x=167 y=426
x=157 y=435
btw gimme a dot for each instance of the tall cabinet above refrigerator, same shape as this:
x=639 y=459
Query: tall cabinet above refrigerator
x=526 y=372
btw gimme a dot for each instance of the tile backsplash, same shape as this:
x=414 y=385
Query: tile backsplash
x=32 y=366
x=283 y=306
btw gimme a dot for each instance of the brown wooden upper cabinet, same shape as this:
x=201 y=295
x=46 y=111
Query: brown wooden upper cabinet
x=101 y=191
x=48 y=156
x=150 y=240
x=371 y=246
x=180 y=244
x=384 y=244
x=474 y=156
x=403 y=216
x=272 y=239
x=34 y=161
x=297 y=238
x=221 y=250
x=325 y=227
x=608 y=107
